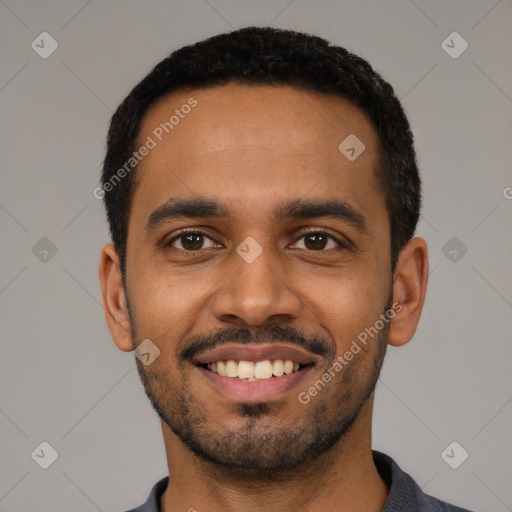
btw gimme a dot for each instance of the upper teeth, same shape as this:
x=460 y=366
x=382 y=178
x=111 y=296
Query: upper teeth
x=252 y=370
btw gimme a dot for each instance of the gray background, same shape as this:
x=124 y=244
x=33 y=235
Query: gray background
x=61 y=378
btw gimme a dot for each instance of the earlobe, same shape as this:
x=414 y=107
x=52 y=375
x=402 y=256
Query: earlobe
x=114 y=300
x=409 y=289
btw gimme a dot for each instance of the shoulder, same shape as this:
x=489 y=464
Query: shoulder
x=404 y=492
x=152 y=504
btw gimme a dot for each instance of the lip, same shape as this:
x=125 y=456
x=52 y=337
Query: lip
x=257 y=353
x=261 y=391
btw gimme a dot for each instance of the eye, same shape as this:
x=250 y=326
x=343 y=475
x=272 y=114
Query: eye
x=317 y=240
x=191 y=241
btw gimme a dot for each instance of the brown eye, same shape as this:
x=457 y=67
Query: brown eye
x=192 y=241
x=317 y=241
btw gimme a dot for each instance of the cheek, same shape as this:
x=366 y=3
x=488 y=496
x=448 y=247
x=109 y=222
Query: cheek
x=159 y=303
x=348 y=304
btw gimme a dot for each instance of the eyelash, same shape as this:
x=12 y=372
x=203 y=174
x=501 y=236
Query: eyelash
x=303 y=232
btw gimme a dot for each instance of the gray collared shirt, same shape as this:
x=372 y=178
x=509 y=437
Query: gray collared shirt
x=404 y=493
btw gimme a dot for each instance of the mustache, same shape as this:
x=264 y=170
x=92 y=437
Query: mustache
x=243 y=335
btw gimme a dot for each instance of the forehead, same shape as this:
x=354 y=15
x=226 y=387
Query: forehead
x=234 y=115
x=246 y=143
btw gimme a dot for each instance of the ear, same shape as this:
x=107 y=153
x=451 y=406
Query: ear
x=114 y=300
x=409 y=289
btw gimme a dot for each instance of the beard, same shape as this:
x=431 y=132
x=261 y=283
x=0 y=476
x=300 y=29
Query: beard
x=260 y=440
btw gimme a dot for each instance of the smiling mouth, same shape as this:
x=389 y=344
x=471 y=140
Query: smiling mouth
x=251 y=371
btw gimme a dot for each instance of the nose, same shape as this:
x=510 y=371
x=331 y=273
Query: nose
x=256 y=293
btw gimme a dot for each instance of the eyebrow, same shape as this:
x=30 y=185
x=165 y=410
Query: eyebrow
x=336 y=209
x=192 y=208
x=202 y=207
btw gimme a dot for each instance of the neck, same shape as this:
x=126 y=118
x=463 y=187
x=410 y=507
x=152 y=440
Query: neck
x=343 y=479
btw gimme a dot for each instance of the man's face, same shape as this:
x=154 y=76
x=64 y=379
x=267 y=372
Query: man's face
x=267 y=160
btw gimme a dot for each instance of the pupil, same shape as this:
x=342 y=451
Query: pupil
x=193 y=241
x=315 y=241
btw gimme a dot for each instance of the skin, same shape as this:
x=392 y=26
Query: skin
x=253 y=148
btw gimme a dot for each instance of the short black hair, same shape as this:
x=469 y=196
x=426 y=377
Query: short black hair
x=270 y=56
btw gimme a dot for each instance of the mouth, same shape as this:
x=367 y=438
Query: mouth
x=251 y=371
x=255 y=373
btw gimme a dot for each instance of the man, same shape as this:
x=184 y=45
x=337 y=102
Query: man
x=262 y=195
